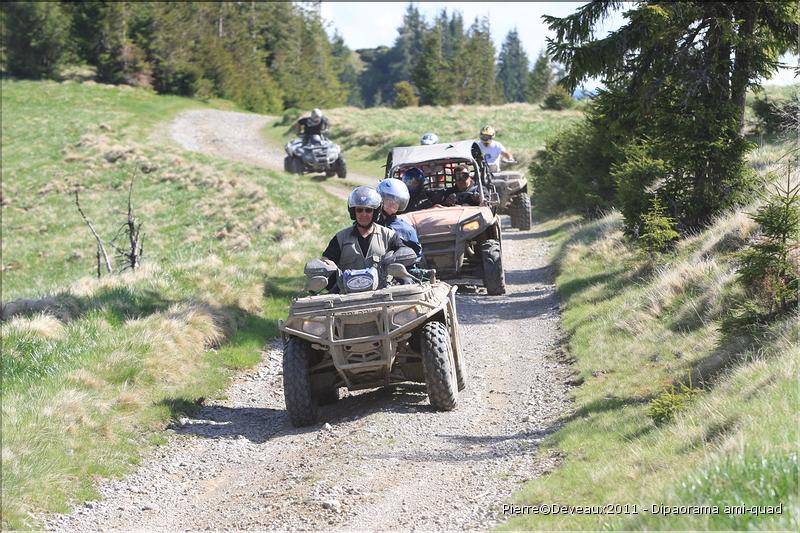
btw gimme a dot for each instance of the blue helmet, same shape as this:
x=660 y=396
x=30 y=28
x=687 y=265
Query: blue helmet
x=364 y=197
x=413 y=178
x=392 y=189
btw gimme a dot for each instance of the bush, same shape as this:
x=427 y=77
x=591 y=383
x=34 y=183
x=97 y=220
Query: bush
x=658 y=230
x=404 y=95
x=558 y=99
x=572 y=171
x=770 y=267
x=774 y=115
x=671 y=401
x=635 y=178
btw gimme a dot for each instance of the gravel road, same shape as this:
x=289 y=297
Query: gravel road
x=378 y=460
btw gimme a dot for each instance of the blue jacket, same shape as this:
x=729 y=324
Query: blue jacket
x=405 y=231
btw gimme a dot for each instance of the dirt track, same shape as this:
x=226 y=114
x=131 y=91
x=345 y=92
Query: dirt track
x=379 y=460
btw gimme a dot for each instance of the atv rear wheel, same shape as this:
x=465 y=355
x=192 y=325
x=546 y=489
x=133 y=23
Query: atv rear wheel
x=520 y=211
x=287 y=164
x=439 y=366
x=341 y=167
x=329 y=173
x=300 y=404
x=494 y=279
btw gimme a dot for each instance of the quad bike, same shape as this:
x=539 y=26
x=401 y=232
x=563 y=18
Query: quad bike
x=512 y=187
x=385 y=326
x=319 y=154
x=463 y=243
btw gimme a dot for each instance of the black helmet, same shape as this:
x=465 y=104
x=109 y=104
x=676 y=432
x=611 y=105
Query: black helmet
x=364 y=196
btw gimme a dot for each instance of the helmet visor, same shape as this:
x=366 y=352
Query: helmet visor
x=486 y=138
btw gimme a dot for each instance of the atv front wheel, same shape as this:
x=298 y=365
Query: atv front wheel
x=520 y=211
x=287 y=164
x=438 y=366
x=297 y=165
x=494 y=279
x=341 y=167
x=300 y=404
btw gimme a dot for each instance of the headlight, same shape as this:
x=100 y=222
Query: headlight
x=404 y=317
x=470 y=226
x=314 y=327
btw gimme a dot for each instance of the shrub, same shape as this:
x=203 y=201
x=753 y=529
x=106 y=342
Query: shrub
x=773 y=115
x=769 y=269
x=658 y=230
x=671 y=401
x=636 y=178
x=404 y=95
x=558 y=99
x=572 y=171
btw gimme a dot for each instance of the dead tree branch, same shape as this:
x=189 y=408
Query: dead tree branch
x=133 y=253
x=100 y=247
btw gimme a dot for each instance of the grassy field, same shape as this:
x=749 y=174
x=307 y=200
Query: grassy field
x=367 y=135
x=94 y=369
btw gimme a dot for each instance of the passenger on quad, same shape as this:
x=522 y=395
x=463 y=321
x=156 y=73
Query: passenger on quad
x=357 y=246
x=315 y=124
x=429 y=138
x=465 y=191
x=420 y=198
x=395 y=200
x=492 y=150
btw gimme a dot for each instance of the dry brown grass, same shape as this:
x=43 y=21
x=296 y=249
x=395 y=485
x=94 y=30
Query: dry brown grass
x=42 y=325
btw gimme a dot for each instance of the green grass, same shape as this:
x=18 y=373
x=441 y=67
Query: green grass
x=367 y=135
x=637 y=330
x=92 y=370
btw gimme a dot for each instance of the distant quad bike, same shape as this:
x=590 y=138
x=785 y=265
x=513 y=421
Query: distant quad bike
x=464 y=244
x=318 y=155
x=512 y=187
x=375 y=332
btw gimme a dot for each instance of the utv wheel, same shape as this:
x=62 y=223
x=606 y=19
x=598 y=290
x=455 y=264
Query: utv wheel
x=297 y=165
x=520 y=211
x=341 y=167
x=300 y=404
x=494 y=279
x=438 y=366
x=287 y=164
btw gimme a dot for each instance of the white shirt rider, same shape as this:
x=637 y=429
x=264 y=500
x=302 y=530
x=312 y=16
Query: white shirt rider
x=492 y=154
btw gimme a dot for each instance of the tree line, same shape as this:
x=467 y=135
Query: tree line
x=269 y=56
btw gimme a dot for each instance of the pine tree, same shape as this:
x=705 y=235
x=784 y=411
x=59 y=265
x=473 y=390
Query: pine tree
x=677 y=74
x=541 y=78
x=35 y=38
x=480 y=85
x=431 y=73
x=512 y=71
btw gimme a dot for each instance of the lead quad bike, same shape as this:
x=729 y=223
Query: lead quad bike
x=463 y=243
x=512 y=188
x=318 y=155
x=375 y=332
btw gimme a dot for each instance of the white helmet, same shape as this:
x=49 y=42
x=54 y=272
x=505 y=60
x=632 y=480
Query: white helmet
x=429 y=138
x=315 y=118
x=396 y=190
x=364 y=196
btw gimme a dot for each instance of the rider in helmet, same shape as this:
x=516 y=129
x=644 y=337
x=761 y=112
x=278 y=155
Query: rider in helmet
x=414 y=179
x=356 y=246
x=395 y=200
x=464 y=191
x=429 y=138
x=492 y=150
x=314 y=124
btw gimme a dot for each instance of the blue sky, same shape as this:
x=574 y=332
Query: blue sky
x=371 y=24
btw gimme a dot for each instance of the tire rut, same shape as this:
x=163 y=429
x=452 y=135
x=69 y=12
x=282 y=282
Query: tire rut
x=378 y=460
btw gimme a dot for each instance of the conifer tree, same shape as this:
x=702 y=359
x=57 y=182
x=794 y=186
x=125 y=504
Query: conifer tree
x=430 y=73
x=35 y=38
x=541 y=78
x=512 y=68
x=480 y=86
